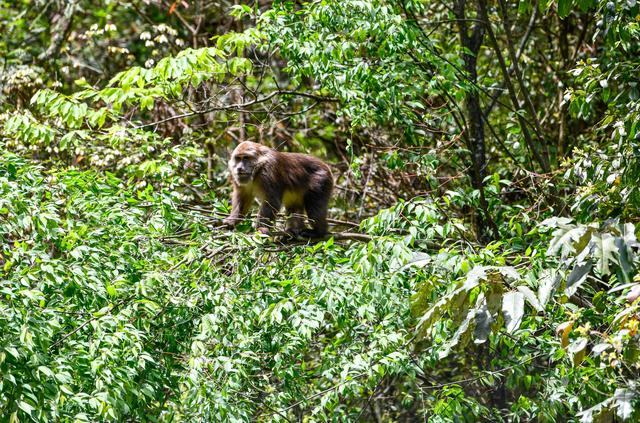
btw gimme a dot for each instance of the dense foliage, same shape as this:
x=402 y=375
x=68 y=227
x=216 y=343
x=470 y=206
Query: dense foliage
x=484 y=261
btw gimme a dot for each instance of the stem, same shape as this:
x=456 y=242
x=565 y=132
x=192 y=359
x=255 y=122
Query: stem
x=512 y=92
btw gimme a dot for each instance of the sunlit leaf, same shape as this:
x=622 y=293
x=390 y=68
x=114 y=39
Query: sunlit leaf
x=513 y=309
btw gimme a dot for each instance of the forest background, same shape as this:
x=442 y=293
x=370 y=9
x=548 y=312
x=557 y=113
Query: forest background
x=484 y=263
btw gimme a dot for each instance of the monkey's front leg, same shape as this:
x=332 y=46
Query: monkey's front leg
x=240 y=203
x=267 y=214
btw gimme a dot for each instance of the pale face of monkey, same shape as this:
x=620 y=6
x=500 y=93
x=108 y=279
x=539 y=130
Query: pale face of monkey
x=242 y=164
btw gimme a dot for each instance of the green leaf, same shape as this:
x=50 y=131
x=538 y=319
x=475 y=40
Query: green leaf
x=46 y=371
x=483 y=320
x=577 y=277
x=564 y=7
x=27 y=408
x=530 y=297
x=586 y=4
x=623 y=399
x=606 y=251
x=549 y=280
x=565 y=239
x=14 y=352
x=111 y=290
x=513 y=310
x=577 y=349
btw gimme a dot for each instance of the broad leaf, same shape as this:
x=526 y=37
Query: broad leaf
x=548 y=282
x=623 y=400
x=577 y=349
x=565 y=239
x=577 y=277
x=606 y=251
x=530 y=297
x=483 y=325
x=513 y=310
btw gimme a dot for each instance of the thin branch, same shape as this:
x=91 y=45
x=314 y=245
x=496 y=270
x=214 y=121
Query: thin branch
x=239 y=106
x=512 y=92
x=490 y=372
x=113 y=306
x=286 y=240
x=523 y=87
x=521 y=47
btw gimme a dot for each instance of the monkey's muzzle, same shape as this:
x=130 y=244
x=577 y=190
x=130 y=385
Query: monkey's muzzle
x=244 y=177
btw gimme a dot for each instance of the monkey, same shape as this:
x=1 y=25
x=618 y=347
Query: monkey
x=300 y=182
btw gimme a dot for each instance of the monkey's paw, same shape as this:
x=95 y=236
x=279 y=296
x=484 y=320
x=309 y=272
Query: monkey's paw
x=230 y=221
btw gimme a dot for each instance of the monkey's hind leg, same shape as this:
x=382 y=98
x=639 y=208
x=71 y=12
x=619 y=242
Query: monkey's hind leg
x=316 y=205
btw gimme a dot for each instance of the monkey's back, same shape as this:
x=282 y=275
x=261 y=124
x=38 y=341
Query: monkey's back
x=302 y=172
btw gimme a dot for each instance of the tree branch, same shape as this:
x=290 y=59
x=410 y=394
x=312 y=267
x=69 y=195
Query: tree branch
x=523 y=88
x=512 y=92
x=60 y=32
x=239 y=106
x=521 y=47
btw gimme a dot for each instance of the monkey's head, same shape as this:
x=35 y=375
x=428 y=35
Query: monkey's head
x=246 y=160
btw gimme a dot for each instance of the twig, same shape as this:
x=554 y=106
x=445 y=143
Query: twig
x=343 y=222
x=338 y=236
x=521 y=47
x=113 y=306
x=490 y=372
x=238 y=106
x=511 y=89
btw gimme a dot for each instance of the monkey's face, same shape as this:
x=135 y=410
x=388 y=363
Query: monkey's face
x=243 y=163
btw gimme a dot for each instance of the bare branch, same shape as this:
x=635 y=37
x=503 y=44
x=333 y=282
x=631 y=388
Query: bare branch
x=239 y=107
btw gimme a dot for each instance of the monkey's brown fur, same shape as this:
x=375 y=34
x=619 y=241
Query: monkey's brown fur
x=298 y=181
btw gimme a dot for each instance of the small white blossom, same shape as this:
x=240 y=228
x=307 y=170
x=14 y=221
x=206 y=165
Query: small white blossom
x=110 y=27
x=145 y=35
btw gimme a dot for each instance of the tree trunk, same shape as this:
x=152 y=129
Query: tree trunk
x=471 y=41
